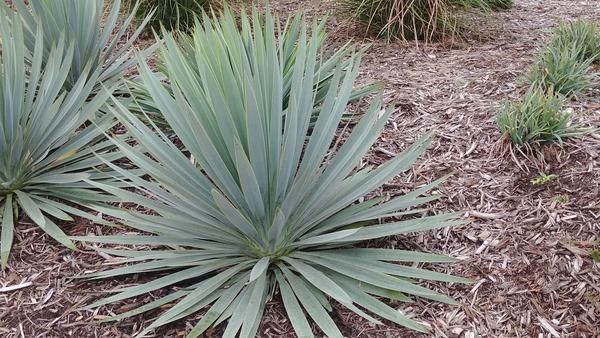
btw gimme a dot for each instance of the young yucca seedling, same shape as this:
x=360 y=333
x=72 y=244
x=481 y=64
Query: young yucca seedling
x=287 y=52
x=580 y=33
x=560 y=68
x=538 y=117
x=101 y=47
x=46 y=153
x=259 y=204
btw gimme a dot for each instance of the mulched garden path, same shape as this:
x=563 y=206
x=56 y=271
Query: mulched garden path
x=527 y=247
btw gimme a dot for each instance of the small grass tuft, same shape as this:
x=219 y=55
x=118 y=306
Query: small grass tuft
x=582 y=34
x=537 y=118
x=560 y=68
x=543 y=179
x=561 y=199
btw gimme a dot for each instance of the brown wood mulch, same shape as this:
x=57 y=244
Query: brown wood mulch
x=527 y=246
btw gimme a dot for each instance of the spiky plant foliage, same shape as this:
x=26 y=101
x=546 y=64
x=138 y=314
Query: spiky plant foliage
x=172 y=14
x=45 y=154
x=100 y=44
x=537 y=118
x=287 y=51
x=560 y=68
x=411 y=19
x=580 y=34
x=259 y=203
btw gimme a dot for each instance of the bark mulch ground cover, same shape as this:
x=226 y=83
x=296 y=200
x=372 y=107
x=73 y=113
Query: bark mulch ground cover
x=527 y=246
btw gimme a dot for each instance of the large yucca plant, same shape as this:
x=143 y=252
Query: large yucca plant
x=287 y=49
x=100 y=44
x=259 y=203
x=46 y=152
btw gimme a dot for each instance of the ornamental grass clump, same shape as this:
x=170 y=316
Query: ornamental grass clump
x=259 y=204
x=564 y=63
x=48 y=136
x=537 y=118
x=102 y=47
x=560 y=69
x=560 y=72
x=582 y=34
x=412 y=19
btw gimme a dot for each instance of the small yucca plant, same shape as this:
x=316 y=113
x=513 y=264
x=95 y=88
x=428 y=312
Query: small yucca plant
x=537 y=118
x=258 y=203
x=582 y=34
x=287 y=52
x=101 y=47
x=560 y=69
x=411 y=19
x=46 y=151
x=172 y=14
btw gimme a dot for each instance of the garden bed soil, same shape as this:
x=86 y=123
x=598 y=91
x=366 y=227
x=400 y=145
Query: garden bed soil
x=526 y=247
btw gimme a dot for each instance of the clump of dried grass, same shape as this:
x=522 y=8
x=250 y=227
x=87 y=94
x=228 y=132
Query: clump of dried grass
x=416 y=19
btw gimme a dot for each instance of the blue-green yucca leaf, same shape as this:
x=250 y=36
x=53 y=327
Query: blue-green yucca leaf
x=260 y=202
x=99 y=42
x=49 y=137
